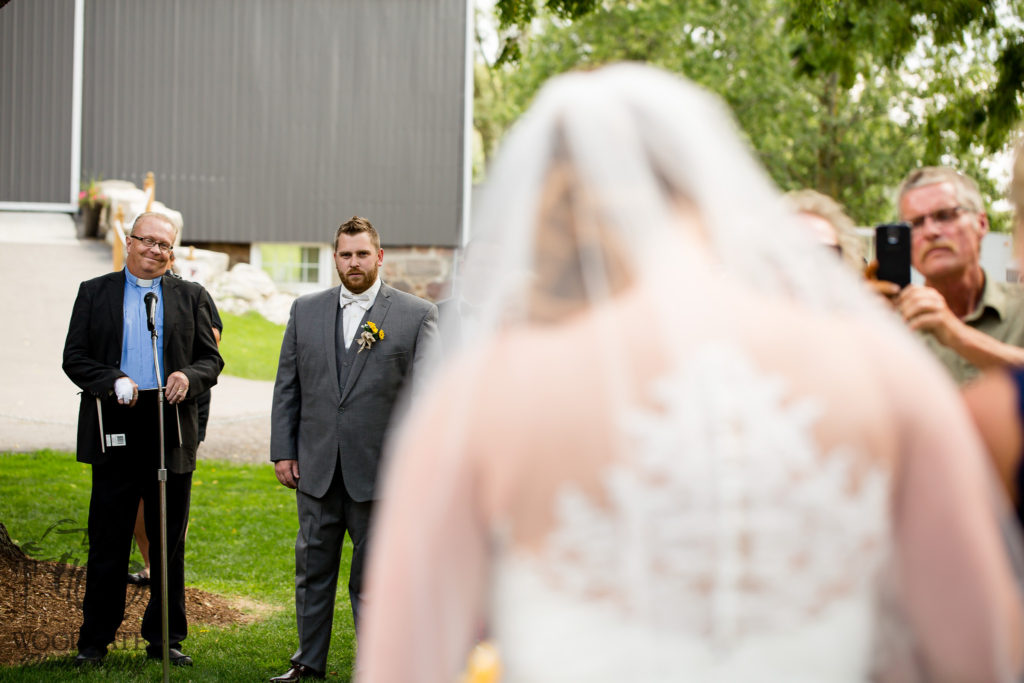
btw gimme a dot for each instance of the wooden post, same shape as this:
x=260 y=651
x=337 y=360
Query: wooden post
x=117 y=225
x=149 y=185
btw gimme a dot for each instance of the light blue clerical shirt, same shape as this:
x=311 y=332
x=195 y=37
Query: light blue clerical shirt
x=137 y=344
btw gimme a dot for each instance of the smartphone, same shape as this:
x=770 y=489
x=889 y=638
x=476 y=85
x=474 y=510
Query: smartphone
x=892 y=249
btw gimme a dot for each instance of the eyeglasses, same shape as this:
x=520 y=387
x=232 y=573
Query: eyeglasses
x=940 y=216
x=150 y=243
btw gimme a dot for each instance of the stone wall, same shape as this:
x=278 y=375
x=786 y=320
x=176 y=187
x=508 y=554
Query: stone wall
x=423 y=271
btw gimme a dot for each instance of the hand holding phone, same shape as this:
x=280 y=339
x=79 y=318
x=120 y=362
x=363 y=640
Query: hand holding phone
x=892 y=250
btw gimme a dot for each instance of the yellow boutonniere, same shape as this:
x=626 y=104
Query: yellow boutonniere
x=370 y=334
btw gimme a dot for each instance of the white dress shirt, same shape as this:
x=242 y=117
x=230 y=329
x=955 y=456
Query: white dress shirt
x=354 y=306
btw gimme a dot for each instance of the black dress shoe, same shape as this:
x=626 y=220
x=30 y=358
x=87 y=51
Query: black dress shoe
x=138 y=579
x=89 y=655
x=177 y=657
x=296 y=673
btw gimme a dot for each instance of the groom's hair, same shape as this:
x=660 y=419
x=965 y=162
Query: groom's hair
x=354 y=226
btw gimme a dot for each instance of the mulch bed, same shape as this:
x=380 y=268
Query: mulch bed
x=41 y=610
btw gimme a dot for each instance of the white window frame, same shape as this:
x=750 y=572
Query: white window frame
x=325 y=265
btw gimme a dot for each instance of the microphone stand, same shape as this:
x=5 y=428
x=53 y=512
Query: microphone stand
x=161 y=475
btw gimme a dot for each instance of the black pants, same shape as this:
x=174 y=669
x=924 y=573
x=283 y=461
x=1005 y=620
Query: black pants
x=117 y=486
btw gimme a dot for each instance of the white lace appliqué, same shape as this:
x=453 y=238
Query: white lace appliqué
x=724 y=519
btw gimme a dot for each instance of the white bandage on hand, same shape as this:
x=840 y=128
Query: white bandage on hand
x=124 y=390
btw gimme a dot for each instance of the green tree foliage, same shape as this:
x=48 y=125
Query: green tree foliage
x=514 y=16
x=836 y=35
x=843 y=97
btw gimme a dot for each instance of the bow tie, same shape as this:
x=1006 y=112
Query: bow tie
x=355 y=298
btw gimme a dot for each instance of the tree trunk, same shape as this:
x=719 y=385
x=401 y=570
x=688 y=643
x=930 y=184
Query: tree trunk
x=8 y=548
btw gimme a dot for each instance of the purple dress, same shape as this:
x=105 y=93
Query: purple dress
x=1017 y=374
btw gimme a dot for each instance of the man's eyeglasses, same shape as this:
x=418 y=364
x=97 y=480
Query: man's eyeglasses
x=150 y=243
x=940 y=216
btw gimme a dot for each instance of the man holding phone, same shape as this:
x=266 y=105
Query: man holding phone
x=970 y=320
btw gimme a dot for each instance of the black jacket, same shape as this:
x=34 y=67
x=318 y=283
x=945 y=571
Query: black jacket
x=92 y=356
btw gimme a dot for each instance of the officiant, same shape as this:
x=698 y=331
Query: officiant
x=109 y=355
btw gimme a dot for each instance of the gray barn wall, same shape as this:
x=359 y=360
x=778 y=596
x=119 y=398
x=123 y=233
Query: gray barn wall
x=271 y=120
x=263 y=120
x=36 y=59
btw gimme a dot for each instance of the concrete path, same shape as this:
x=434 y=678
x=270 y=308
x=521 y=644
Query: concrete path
x=42 y=263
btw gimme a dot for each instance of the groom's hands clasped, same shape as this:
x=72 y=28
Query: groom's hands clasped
x=287 y=472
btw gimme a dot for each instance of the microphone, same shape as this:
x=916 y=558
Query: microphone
x=150 y=301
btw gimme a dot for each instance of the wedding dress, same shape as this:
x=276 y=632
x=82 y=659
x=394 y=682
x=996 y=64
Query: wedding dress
x=691 y=566
x=681 y=443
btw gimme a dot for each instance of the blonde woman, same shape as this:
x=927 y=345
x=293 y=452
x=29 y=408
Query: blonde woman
x=828 y=222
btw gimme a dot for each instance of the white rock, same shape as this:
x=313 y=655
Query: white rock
x=275 y=308
x=132 y=200
x=200 y=265
x=121 y=193
x=244 y=281
x=108 y=186
x=233 y=305
x=246 y=288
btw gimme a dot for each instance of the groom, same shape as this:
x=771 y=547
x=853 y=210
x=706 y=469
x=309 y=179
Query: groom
x=347 y=354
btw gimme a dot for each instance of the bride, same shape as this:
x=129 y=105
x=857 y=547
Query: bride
x=680 y=442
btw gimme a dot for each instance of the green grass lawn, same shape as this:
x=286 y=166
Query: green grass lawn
x=240 y=543
x=250 y=346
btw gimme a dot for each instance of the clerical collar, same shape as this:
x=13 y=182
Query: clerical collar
x=141 y=282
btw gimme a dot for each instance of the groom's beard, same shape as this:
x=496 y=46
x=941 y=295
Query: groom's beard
x=358 y=281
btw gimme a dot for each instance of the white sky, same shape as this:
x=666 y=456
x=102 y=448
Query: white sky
x=486 y=27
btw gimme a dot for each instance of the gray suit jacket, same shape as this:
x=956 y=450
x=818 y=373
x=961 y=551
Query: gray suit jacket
x=322 y=425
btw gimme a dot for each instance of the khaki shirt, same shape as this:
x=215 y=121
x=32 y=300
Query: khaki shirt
x=999 y=314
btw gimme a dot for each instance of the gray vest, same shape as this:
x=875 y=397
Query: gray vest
x=346 y=355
